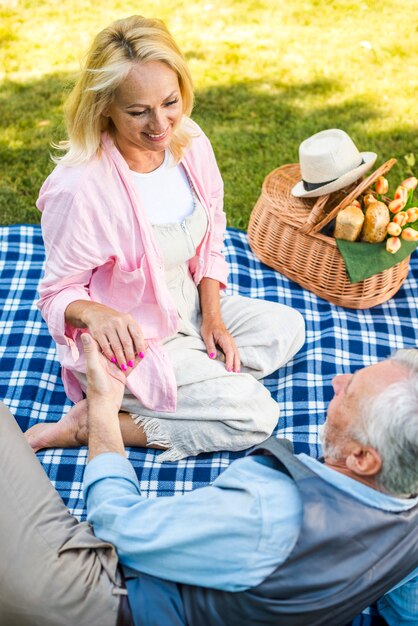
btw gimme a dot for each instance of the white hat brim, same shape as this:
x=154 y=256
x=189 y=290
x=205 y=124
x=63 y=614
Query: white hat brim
x=369 y=159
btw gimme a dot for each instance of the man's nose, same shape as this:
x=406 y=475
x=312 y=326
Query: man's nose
x=339 y=382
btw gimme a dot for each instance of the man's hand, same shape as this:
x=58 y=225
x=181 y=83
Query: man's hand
x=105 y=381
x=105 y=388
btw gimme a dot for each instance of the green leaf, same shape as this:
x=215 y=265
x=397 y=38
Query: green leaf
x=410 y=201
x=363 y=260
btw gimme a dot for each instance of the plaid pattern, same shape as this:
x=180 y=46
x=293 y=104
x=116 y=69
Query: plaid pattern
x=338 y=340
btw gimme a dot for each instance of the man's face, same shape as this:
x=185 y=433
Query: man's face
x=350 y=392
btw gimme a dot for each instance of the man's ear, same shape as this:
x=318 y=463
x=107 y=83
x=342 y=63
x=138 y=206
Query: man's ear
x=364 y=460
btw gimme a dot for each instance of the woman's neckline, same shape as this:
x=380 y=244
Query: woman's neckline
x=160 y=167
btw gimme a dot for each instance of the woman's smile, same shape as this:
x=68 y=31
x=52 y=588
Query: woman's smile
x=156 y=137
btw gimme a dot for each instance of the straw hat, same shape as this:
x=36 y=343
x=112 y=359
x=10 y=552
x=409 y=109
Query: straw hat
x=329 y=160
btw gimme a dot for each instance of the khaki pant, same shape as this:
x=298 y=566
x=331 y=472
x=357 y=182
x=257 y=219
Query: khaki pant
x=53 y=570
x=216 y=409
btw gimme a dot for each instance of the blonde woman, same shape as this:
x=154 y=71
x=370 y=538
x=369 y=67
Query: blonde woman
x=133 y=224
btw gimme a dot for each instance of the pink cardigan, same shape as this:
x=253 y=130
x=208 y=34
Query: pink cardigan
x=100 y=245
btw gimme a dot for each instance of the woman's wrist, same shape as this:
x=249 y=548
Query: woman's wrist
x=211 y=315
x=87 y=309
x=76 y=313
x=209 y=300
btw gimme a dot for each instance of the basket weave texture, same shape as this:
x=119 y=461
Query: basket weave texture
x=284 y=233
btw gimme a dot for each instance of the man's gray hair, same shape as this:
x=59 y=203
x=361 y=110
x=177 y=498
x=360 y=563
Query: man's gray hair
x=389 y=424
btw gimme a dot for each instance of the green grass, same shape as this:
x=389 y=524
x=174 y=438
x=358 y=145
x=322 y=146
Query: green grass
x=268 y=73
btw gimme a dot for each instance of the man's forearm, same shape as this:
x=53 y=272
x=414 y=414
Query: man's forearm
x=104 y=429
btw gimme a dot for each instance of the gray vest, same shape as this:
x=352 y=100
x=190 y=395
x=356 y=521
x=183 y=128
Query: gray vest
x=347 y=556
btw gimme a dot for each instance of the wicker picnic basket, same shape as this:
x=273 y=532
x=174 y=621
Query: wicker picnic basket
x=284 y=232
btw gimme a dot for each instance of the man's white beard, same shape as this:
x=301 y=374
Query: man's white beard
x=329 y=450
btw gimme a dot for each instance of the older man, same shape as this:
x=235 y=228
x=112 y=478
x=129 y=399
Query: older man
x=277 y=539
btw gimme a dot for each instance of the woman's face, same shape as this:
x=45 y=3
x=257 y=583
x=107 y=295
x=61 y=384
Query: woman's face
x=146 y=109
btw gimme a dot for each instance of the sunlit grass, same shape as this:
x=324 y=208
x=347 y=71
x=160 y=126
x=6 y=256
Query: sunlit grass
x=268 y=73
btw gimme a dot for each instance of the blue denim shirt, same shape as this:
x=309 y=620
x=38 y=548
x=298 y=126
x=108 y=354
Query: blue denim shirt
x=221 y=536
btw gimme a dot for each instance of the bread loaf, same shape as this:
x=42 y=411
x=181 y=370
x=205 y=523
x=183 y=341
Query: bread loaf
x=348 y=223
x=376 y=221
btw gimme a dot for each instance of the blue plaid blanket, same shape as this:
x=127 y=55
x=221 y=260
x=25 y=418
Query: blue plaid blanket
x=338 y=340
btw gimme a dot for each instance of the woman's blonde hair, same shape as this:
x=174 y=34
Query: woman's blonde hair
x=110 y=58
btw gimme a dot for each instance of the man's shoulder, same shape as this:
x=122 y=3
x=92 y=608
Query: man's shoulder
x=361 y=492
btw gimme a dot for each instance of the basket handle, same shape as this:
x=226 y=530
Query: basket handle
x=315 y=214
x=313 y=225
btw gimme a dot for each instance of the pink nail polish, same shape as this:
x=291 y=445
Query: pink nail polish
x=130 y=363
x=113 y=359
x=212 y=355
x=229 y=369
x=123 y=367
x=141 y=355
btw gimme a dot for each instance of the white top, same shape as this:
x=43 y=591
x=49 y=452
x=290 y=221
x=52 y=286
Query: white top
x=165 y=193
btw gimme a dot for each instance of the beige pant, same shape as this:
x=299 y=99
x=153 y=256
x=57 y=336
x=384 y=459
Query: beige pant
x=216 y=409
x=53 y=570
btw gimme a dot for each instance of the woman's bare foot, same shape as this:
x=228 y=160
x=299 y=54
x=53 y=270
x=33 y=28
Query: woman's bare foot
x=70 y=431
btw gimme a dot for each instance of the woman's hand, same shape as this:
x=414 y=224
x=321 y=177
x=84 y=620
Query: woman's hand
x=215 y=335
x=213 y=330
x=118 y=335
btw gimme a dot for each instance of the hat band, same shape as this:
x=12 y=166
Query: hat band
x=312 y=186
